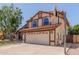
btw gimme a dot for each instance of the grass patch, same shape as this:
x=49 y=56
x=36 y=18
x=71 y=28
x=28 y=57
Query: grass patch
x=4 y=42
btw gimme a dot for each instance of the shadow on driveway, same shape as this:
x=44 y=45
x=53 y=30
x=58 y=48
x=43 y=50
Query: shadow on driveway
x=73 y=49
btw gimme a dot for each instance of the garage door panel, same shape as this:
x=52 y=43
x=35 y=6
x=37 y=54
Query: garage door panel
x=38 y=38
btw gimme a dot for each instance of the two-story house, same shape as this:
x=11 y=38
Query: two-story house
x=44 y=27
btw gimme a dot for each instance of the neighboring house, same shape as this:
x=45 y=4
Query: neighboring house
x=44 y=28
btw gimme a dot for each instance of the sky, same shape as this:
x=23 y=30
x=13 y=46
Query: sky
x=30 y=9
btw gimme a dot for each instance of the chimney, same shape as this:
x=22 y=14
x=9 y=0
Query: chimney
x=55 y=11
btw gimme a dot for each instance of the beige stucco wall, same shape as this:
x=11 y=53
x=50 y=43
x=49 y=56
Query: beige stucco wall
x=38 y=37
x=52 y=35
x=53 y=19
x=23 y=37
x=45 y=15
x=60 y=31
x=39 y=22
x=30 y=24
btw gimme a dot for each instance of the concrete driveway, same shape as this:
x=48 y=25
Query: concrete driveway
x=74 y=50
x=30 y=49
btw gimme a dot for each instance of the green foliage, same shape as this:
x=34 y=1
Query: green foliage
x=10 y=18
x=70 y=30
x=74 y=30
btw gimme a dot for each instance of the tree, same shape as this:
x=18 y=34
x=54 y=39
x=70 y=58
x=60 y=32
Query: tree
x=10 y=19
x=76 y=29
x=70 y=30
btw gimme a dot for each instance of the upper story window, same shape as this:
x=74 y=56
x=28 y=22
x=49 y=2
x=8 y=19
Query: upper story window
x=46 y=21
x=34 y=23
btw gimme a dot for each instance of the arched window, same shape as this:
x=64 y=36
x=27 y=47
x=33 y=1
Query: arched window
x=46 y=21
x=34 y=23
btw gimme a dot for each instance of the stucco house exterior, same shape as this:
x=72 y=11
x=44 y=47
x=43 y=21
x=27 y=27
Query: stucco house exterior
x=45 y=27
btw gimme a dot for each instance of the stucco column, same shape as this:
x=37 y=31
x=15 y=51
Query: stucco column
x=49 y=38
x=24 y=38
x=54 y=37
